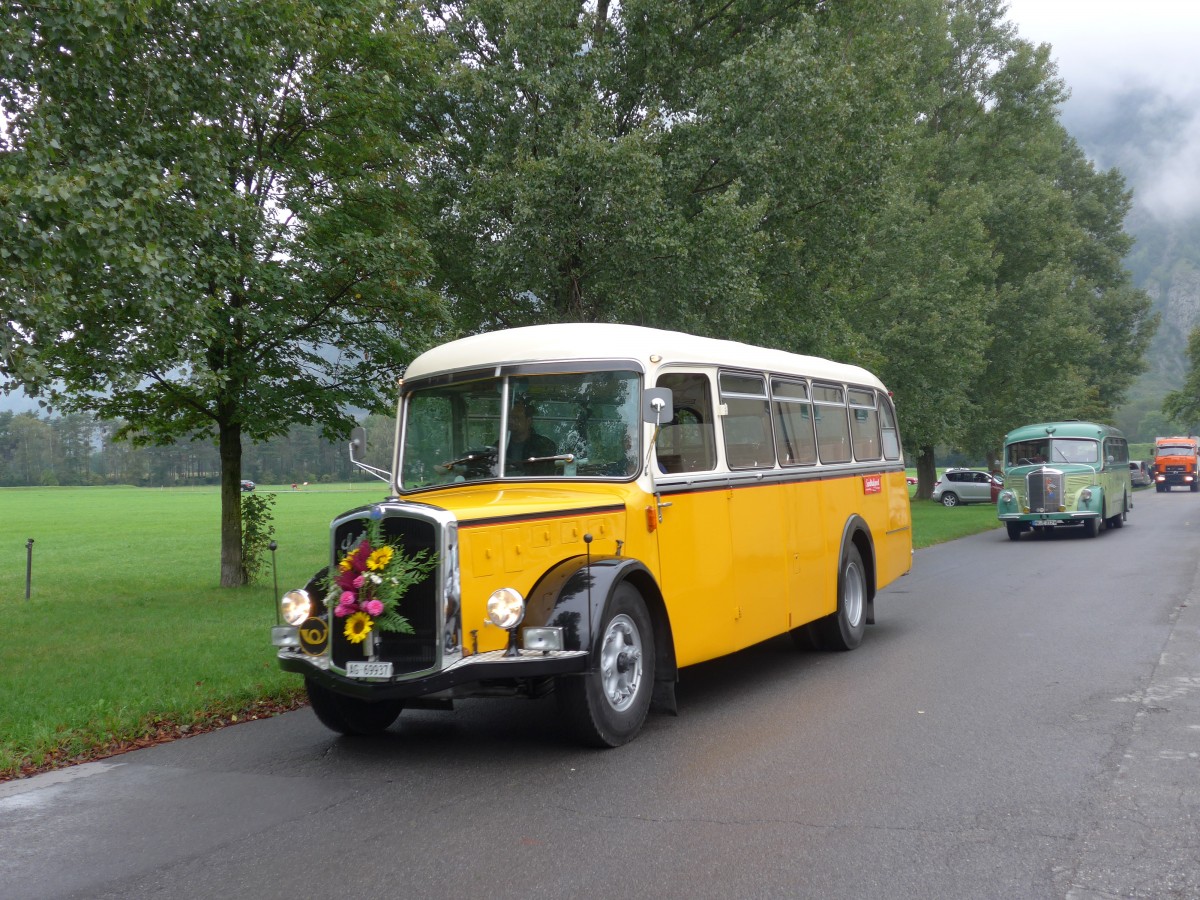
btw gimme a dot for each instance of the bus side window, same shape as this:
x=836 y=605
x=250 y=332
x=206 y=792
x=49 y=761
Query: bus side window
x=686 y=443
x=833 y=428
x=864 y=424
x=891 y=437
x=795 y=444
x=747 y=423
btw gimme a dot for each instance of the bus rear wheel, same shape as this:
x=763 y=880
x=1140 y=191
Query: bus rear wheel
x=1118 y=521
x=607 y=706
x=350 y=715
x=844 y=629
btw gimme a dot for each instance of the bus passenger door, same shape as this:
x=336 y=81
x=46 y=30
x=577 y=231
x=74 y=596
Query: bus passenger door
x=695 y=561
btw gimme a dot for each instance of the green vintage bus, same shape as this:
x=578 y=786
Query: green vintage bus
x=1065 y=473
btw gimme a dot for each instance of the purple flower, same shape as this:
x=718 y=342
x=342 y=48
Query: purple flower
x=358 y=562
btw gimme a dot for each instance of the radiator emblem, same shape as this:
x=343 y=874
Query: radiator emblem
x=314 y=635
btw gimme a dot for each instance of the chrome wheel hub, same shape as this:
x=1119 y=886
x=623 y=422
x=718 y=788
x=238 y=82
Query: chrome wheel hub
x=855 y=594
x=621 y=662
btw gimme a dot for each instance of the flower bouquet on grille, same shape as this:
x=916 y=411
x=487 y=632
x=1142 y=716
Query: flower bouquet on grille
x=371 y=581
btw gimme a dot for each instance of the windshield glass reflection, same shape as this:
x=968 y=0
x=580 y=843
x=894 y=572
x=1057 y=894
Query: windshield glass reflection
x=578 y=425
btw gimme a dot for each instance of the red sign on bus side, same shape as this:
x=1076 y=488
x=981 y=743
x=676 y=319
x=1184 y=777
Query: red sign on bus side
x=872 y=484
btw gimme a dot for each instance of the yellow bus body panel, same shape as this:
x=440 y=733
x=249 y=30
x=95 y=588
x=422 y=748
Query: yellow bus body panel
x=736 y=563
x=510 y=535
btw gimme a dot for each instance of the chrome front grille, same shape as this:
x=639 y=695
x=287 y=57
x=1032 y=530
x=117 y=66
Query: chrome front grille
x=1045 y=490
x=422 y=605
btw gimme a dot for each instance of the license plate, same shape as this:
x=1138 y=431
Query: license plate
x=369 y=669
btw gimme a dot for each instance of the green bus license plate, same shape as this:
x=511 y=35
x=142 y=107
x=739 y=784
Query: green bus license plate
x=369 y=669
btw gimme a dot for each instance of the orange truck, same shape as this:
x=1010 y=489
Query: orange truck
x=1175 y=460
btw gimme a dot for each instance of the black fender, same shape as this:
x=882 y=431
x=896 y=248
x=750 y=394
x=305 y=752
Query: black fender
x=857 y=532
x=574 y=595
x=316 y=591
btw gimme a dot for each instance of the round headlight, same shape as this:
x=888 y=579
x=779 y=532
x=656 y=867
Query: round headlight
x=1007 y=496
x=1085 y=496
x=506 y=608
x=295 y=606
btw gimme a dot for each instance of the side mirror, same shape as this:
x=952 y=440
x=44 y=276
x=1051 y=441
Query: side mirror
x=358 y=447
x=358 y=443
x=656 y=401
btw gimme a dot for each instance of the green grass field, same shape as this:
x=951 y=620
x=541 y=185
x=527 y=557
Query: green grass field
x=126 y=637
x=126 y=628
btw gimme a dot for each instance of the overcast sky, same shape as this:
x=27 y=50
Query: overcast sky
x=1123 y=56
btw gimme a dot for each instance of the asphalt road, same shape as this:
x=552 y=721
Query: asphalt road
x=1023 y=722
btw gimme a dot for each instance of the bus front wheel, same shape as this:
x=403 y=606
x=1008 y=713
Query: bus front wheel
x=1014 y=530
x=607 y=706
x=843 y=630
x=350 y=715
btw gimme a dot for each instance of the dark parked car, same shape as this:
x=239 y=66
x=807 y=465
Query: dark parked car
x=966 y=486
x=247 y=485
x=1139 y=475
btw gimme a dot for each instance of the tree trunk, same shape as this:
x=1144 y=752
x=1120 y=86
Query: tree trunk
x=229 y=440
x=926 y=473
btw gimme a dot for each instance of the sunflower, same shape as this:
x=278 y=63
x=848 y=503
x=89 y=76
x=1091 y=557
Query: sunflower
x=358 y=626
x=378 y=560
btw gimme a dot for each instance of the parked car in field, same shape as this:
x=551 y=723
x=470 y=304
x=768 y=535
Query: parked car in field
x=1139 y=475
x=247 y=486
x=958 y=486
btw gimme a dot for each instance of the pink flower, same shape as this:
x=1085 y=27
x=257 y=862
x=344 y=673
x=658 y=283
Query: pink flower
x=373 y=608
x=347 y=604
x=358 y=582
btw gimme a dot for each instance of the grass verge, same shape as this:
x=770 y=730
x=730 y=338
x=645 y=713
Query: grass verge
x=936 y=524
x=126 y=637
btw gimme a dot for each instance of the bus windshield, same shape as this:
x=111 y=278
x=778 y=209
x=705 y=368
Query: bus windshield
x=576 y=425
x=1059 y=450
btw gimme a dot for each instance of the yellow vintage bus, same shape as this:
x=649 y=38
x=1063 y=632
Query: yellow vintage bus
x=658 y=499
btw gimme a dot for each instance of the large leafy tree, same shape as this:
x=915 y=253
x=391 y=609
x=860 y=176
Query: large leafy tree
x=697 y=165
x=207 y=221
x=1182 y=407
x=993 y=287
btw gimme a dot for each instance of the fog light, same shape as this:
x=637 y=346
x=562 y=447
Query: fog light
x=506 y=608
x=544 y=639
x=295 y=607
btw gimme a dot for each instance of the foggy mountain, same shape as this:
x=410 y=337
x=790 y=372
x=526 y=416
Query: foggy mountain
x=1153 y=137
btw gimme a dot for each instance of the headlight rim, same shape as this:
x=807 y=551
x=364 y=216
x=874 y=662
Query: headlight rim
x=301 y=600
x=506 y=608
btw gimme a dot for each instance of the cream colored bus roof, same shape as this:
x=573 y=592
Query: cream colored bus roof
x=593 y=341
